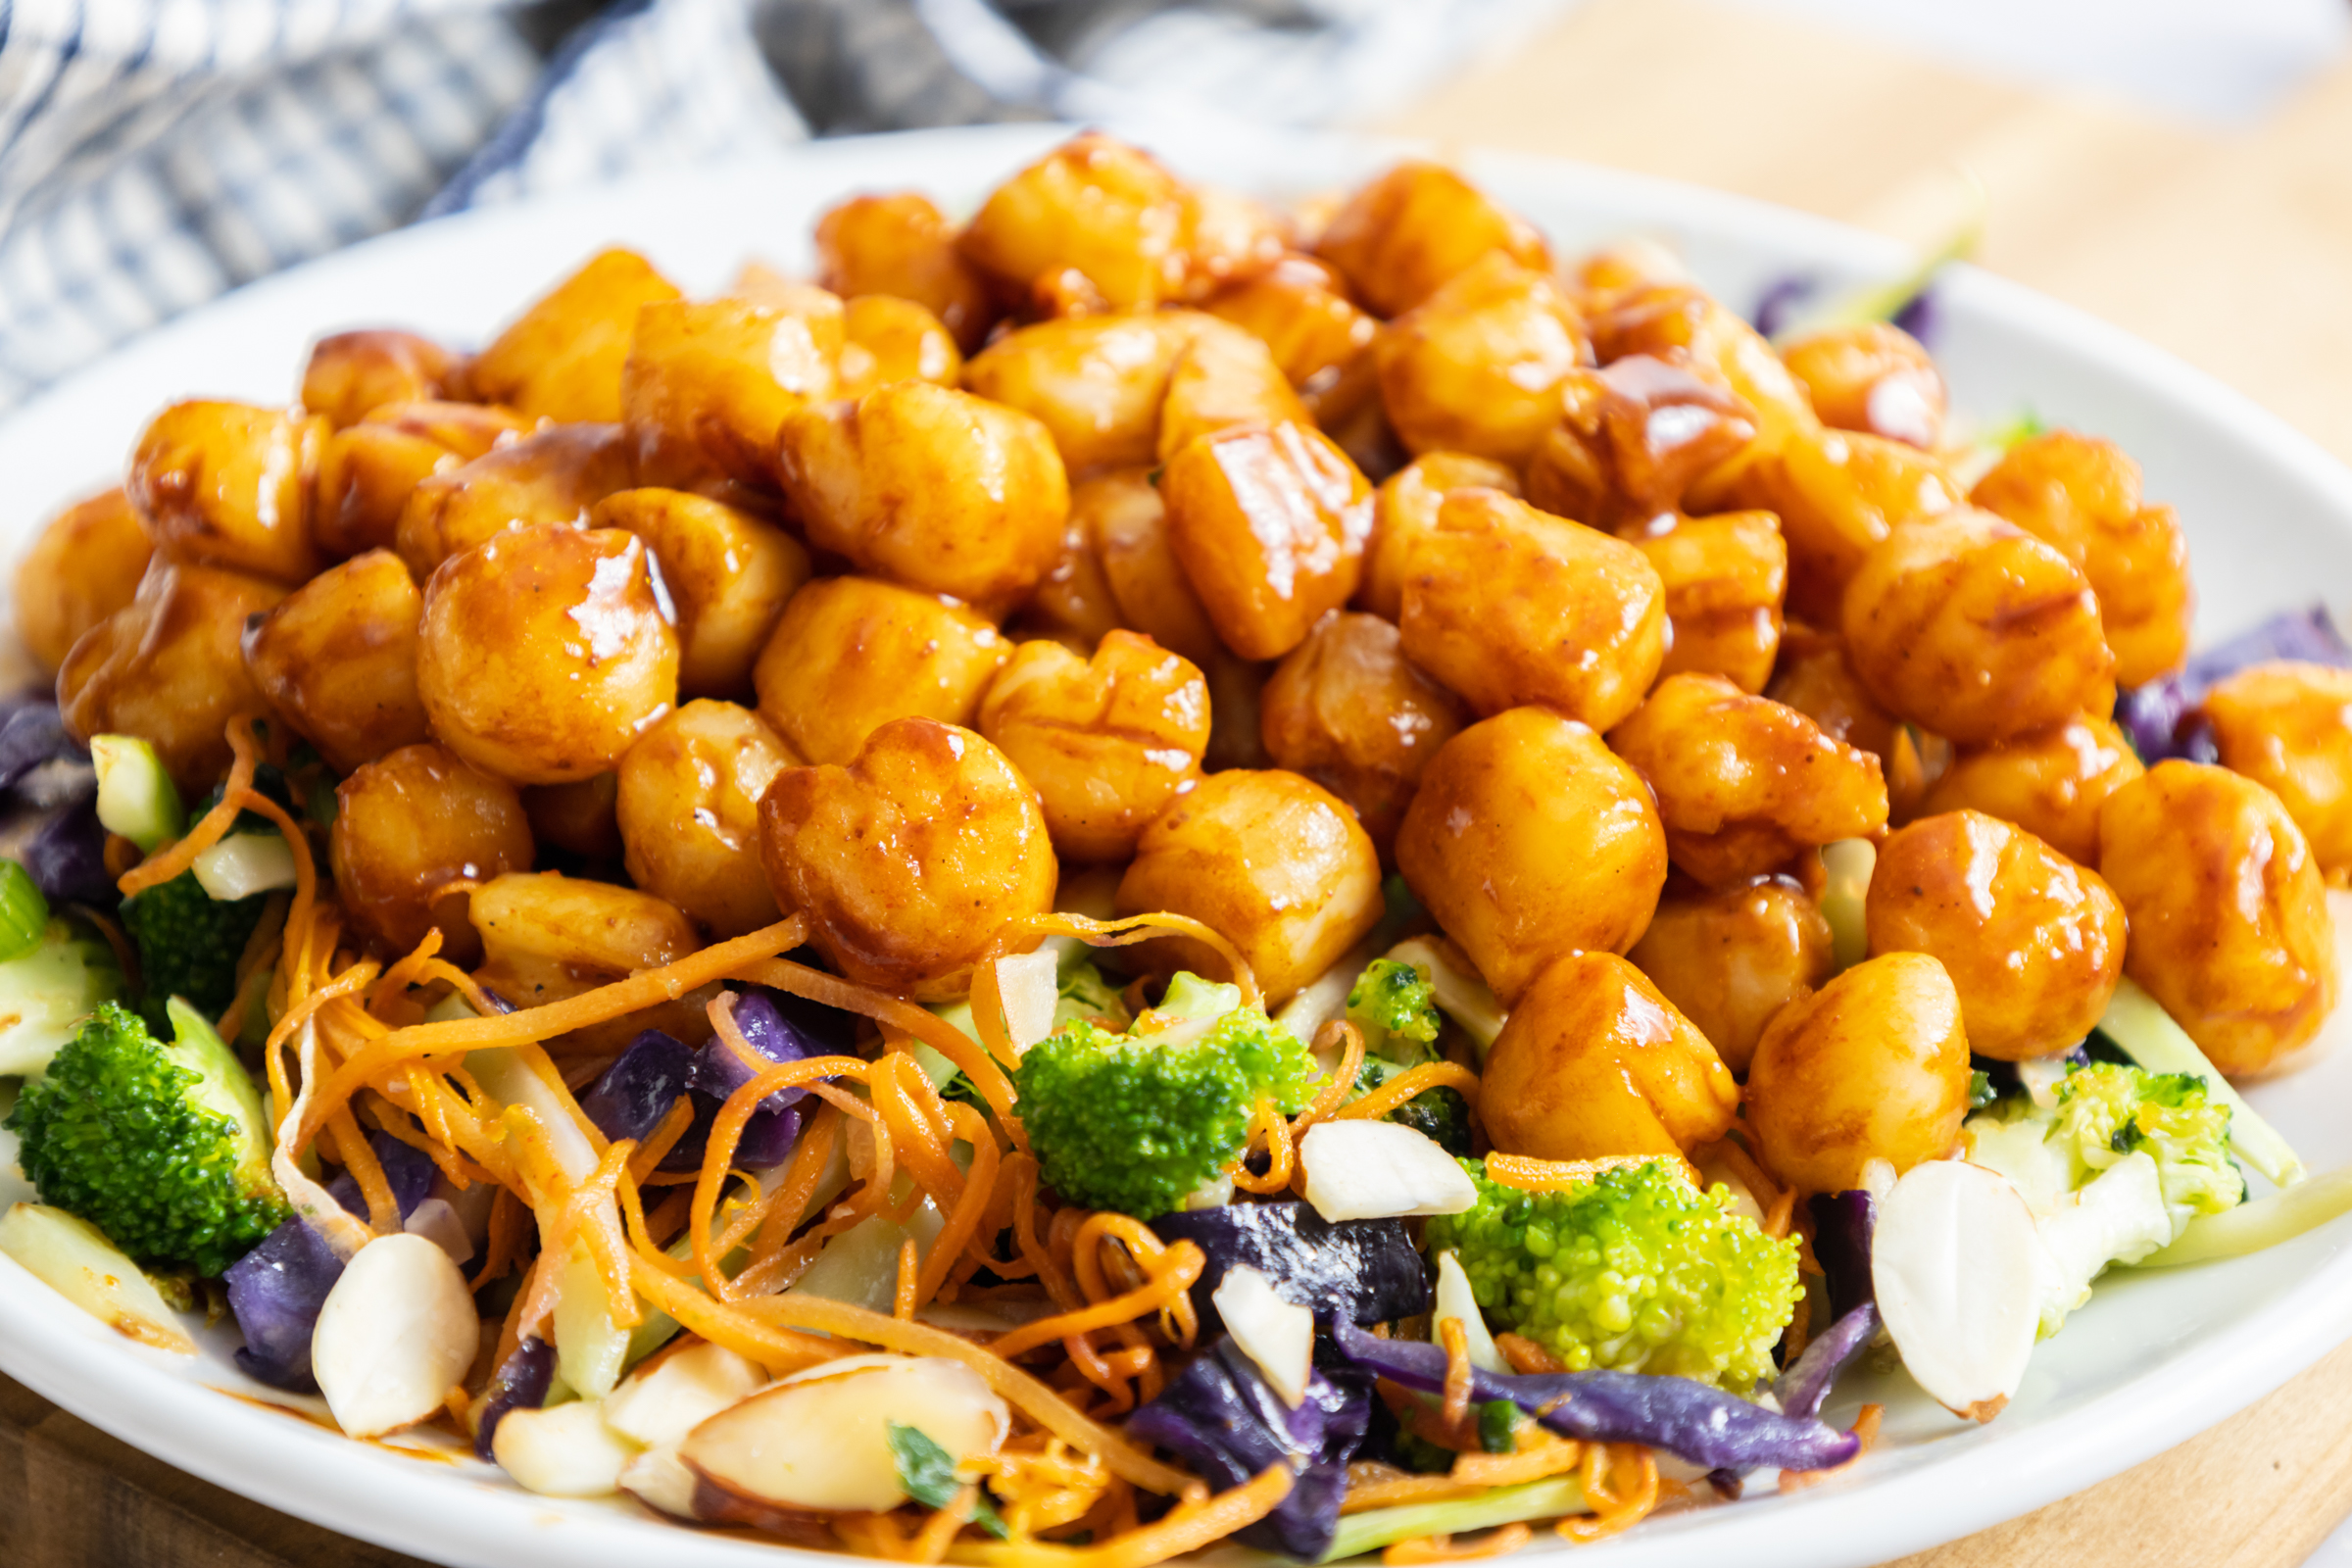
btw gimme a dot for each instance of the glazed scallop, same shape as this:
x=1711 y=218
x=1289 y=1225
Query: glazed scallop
x=1269 y=525
x=1094 y=225
x=545 y=653
x=1632 y=438
x=1839 y=494
x=552 y=476
x=1477 y=366
x=1404 y=507
x=1725 y=577
x=352 y=374
x=413 y=830
x=1528 y=839
x=169 y=668
x=1346 y=709
x=367 y=472
x=1977 y=631
x=1581 y=628
x=2033 y=942
x=929 y=488
x=850 y=654
x=728 y=575
x=1271 y=861
x=1743 y=782
x=562 y=359
x=1223 y=378
x=1415 y=229
x=1874 y=1065
x=908 y=861
x=229 y=485
x=886 y=339
x=902 y=246
x=2081 y=496
x=706 y=386
x=1107 y=741
x=1731 y=957
x=337 y=659
x=688 y=811
x=2053 y=782
x=1594 y=1062
x=1127 y=520
x=2285 y=726
x=85 y=565
x=1096 y=382
x=2229 y=922
x=1872 y=376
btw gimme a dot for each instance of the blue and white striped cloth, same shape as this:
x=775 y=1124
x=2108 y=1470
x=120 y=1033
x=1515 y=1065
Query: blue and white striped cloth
x=157 y=153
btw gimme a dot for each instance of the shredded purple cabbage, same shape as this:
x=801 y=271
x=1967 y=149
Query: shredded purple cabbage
x=1360 y=1270
x=520 y=1382
x=1695 y=1420
x=2160 y=718
x=1222 y=1417
x=1805 y=1385
x=1842 y=1226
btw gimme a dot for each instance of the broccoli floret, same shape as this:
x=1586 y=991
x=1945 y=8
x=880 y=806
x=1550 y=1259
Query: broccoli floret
x=1136 y=1122
x=1085 y=994
x=1395 y=1007
x=47 y=993
x=189 y=944
x=1439 y=1115
x=1635 y=1270
x=2107 y=1111
x=164 y=1148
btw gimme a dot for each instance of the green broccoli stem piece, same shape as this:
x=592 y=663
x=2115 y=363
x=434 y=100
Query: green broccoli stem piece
x=2262 y=1223
x=1554 y=1498
x=2139 y=1024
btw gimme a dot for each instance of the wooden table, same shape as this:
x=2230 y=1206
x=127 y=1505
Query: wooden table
x=2234 y=249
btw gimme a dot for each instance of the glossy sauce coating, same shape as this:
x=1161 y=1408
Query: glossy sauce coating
x=902 y=245
x=1405 y=507
x=1725 y=578
x=1528 y=839
x=688 y=811
x=1977 y=631
x=229 y=485
x=1743 y=782
x=2288 y=726
x=1731 y=957
x=1107 y=741
x=850 y=654
x=413 y=829
x=1346 y=709
x=728 y=575
x=562 y=359
x=337 y=659
x=85 y=565
x=1594 y=1062
x=1875 y=377
x=545 y=653
x=2229 y=916
x=1269 y=525
x=910 y=859
x=1275 y=864
x=1874 y=1065
x=706 y=386
x=1581 y=628
x=1476 y=366
x=2051 y=782
x=2033 y=942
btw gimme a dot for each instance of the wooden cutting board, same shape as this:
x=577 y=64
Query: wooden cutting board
x=2234 y=249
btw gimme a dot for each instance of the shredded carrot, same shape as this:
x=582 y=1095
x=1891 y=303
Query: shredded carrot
x=1267 y=1122
x=1405 y=1084
x=208 y=830
x=1866 y=1428
x=1532 y=1175
x=1190 y=1525
x=1183 y=1266
x=1440 y=1548
x=908 y=1267
x=1455 y=1410
x=1613 y=1511
x=1133 y=928
x=1526 y=1355
x=1342 y=1081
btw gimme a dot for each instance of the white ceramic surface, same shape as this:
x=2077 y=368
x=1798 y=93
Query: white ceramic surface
x=2152 y=1361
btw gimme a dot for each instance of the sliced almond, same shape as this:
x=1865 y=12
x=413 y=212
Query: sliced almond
x=660 y=1479
x=820 y=1440
x=1960 y=1271
x=566 y=1450
x=1030 y=985
x=659 y=1406
x=1457 y=1300
x=397 y=1333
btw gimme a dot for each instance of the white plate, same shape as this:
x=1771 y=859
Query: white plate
x=2151 y=1362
